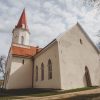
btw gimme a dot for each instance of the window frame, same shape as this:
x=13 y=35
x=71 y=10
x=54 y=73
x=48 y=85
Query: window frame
x=49 y=69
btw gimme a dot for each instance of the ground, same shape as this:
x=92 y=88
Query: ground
x=82 y=94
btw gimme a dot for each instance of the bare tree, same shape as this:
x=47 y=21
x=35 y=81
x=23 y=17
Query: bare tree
x=94 y=3
x=2 y=65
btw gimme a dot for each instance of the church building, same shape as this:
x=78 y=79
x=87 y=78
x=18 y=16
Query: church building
x=70 y=61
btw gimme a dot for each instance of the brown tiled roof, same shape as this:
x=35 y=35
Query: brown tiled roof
x=22 y=51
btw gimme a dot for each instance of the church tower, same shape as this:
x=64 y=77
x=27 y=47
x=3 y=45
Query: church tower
x=20 y=32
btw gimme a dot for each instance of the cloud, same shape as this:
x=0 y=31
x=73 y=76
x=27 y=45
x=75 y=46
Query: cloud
x=5 y=41
x=46 y=19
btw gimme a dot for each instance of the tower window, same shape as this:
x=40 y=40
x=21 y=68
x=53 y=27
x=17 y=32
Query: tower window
x=22 y=39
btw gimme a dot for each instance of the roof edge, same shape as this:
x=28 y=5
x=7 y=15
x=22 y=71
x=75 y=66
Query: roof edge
x=45 y=48
x=21 y=56
x=88 y=38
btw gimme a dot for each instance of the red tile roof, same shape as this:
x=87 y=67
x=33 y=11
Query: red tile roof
x=22 y=51
x=22 y=21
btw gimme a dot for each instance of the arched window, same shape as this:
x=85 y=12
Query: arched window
x=49 y=69
x=36 y=73
x=42 y=71
x=87 y=77
x=86 y=69
x=22 y=39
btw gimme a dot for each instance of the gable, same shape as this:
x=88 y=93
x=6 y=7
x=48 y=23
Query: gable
x=88 y=38
x=74 y=32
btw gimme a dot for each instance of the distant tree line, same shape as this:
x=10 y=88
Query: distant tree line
x=2 y=65
x=95 y=3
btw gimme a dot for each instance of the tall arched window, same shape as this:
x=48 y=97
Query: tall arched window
x=87 y=76
x=22 y=39
x=49 y=69
x=42 y=71
x=36 y=73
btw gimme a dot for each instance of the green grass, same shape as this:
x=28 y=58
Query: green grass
x=84 y=97
x=17 y=94
x=61 y=92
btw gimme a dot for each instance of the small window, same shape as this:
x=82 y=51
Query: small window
x=23 y=61
x=81 y=41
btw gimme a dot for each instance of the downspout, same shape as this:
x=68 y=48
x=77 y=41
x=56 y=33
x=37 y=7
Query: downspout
x=32 y=72
x=33 y=59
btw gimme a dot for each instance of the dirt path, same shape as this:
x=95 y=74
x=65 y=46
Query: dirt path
x=65 y=95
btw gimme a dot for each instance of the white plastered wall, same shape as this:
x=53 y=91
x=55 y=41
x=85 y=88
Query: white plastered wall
x=50 y=52
x=74 y=56
x=20 y=74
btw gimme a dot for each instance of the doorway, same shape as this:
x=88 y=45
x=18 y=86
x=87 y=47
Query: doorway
x=87 y=77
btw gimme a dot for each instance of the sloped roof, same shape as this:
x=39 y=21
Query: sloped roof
x=22 y=21
x=26 y=51
x=56 y=39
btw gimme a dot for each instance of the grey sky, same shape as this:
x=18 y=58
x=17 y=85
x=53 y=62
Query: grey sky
x=46 y=19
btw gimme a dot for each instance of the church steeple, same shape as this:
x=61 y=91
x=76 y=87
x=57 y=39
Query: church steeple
x=21 y=33
x=22 y=23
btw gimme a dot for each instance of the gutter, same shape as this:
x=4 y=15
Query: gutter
x=33 y=72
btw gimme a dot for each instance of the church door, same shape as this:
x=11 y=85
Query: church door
x=87 y=77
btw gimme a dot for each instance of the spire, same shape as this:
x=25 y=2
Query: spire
x=22 y=21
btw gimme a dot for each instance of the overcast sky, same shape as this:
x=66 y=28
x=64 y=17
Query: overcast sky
x=46 y=19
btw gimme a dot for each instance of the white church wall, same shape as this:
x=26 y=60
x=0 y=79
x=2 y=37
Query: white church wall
x=76 y=52
x=43 y=57
x=20 y=74
x=7 y=68
x=9 y=59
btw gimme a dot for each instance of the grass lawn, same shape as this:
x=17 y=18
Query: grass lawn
x=84 y=97
x=18 y=94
